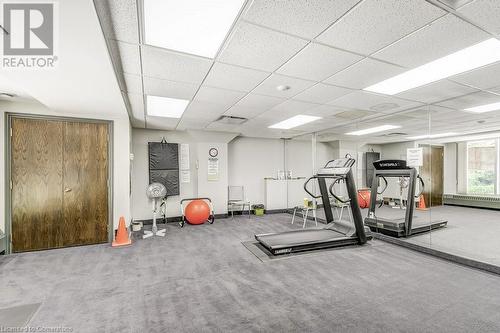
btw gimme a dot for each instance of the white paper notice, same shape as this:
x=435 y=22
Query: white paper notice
x=184 y=157
x=185 y=176
x=213 y=169
x=415 y=157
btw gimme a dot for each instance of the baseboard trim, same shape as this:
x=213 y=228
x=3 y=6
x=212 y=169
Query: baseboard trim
x=174 y=219
x=440 y=254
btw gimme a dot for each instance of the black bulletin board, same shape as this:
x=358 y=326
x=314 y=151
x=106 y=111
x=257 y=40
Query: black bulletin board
x=370 y=157
x=164 y=165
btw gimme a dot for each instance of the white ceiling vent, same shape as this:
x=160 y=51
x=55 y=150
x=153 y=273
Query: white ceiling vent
x=231 y=120
x=393 y=134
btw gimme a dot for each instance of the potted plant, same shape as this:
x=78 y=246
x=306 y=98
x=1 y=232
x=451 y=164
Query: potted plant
x=258 y=209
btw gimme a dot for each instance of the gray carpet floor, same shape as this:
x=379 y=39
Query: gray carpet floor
x=471 y=232
x=202 y=279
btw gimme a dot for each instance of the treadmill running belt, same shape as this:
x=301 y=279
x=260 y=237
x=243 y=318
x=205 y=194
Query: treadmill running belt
x=299 y=237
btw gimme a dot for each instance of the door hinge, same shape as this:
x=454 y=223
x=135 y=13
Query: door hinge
x=11 y=132
x=11 y=186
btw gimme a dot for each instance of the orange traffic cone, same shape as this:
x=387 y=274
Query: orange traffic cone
x=122 y=237
x=421 y=203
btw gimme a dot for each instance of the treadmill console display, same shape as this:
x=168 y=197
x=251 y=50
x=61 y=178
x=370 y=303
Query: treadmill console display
x=338 y=167
x=335 y=171
x=390 y=164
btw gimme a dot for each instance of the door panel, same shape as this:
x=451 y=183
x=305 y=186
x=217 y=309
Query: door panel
x=36 y=174
x=432 y=173
x=59 y=171
x=85 y=172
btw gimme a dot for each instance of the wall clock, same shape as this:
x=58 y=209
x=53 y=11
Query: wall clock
x=213 y=152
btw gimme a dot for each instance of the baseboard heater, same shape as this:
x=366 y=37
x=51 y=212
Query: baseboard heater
x=479 y=201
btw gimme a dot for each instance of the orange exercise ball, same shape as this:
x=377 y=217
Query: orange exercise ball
x=197 y=212
x=364 y=198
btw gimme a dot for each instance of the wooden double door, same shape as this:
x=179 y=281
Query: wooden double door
x=432 y=173
x=59 y=183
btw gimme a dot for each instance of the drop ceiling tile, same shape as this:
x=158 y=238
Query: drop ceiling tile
x=484 y=13
x=192 y=124
x=375 y=24
x=223 y=97
x=364 y=73
x=317 y=62
x=471 y=100
x=322 y=93
x=302 y=18
x=161 y=123
x=126 y=57
x=495 y=90
x=118 y=19
x=203 y=110
x=221 y=127
x=290 y=108
x=136 y=104
x=133 y=83
x=259 y=48
x=355 y=114
x=326 y=111
x=373 y=102
x=269 y=86
x=483 y=78
x=444 y=36
x=166 y=88
x=163 y=64
x=244 y=112
x=261 y=102
x=437 y=91
x=234 y=77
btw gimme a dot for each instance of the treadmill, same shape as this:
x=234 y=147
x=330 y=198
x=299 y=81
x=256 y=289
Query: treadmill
x=407 y=225
x=334 y=234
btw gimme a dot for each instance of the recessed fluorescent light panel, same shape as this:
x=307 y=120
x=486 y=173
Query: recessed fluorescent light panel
x=472 y=57
x=191 y=26
x=432 y=136
x=157 y=106
x=373 y=130
x=295 y=121
x=484 y=108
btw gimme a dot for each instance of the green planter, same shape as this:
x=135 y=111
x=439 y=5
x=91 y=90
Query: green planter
x=258 y=209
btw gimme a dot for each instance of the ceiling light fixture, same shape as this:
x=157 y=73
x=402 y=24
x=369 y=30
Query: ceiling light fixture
x=295 y=121
x=472 y=57
x=484 y=108
x=373 y=130
x=157 y=106
x=196 y=26
x=432 y=136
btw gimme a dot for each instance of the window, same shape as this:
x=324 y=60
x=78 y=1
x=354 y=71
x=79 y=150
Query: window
x=482 y=167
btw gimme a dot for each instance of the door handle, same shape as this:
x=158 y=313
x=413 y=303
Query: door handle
x=67 y=189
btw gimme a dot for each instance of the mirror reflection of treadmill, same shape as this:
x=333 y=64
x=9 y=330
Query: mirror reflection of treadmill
x=404 y=226
x=335 y=233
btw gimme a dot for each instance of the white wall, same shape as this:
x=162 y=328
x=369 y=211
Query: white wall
x=121 y=162
x=199 y=144
x=250 y=161
x=450 y=168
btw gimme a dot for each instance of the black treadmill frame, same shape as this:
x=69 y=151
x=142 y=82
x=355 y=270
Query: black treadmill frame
x=380 y=224
x=356 y=236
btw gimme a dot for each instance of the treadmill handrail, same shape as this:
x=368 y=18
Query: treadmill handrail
x=330 y=189
x=307 y=190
